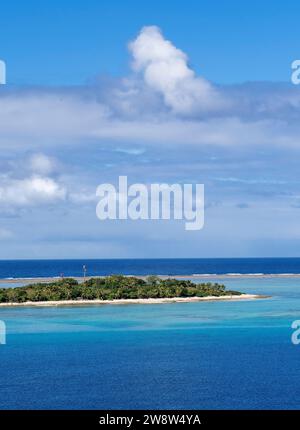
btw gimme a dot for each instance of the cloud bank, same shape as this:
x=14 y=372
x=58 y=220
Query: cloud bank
x=161 y=101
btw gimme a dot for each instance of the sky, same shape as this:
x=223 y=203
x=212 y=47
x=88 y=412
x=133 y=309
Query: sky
x=179 y=92
x=67 y=43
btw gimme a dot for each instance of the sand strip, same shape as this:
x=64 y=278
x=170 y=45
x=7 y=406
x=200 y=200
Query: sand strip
x=135 y=301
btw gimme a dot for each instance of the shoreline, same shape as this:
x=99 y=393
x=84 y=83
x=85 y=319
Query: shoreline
x=135 y=301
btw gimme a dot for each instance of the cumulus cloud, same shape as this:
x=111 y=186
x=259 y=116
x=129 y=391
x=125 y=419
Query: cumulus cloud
x=165 y=69
x=30 y=191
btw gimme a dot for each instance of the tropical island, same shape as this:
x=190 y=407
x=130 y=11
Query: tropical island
x=115 y=289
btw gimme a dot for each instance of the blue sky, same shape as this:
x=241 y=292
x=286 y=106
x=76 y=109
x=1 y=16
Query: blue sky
x=176 y=92
x=62 y=42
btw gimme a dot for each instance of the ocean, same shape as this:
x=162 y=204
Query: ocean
x=189 y=266
x=205 y=355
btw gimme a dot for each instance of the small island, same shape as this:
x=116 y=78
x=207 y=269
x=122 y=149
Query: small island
x=116 y=289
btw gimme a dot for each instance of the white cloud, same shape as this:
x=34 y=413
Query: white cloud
x=165 y=69
x=30 y=191
x=38 y=117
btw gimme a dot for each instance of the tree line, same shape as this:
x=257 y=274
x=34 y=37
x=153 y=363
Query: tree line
x=111 y=288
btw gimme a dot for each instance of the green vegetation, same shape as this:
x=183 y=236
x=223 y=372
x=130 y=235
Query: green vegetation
x=110 y=288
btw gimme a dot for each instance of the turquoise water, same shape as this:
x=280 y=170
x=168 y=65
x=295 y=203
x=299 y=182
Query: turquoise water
x=190 y=355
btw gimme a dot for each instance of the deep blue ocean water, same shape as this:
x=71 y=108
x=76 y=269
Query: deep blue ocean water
x=189 y=355
x=189 y=266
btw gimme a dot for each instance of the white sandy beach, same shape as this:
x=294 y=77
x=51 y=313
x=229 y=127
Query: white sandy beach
x=135 y=301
